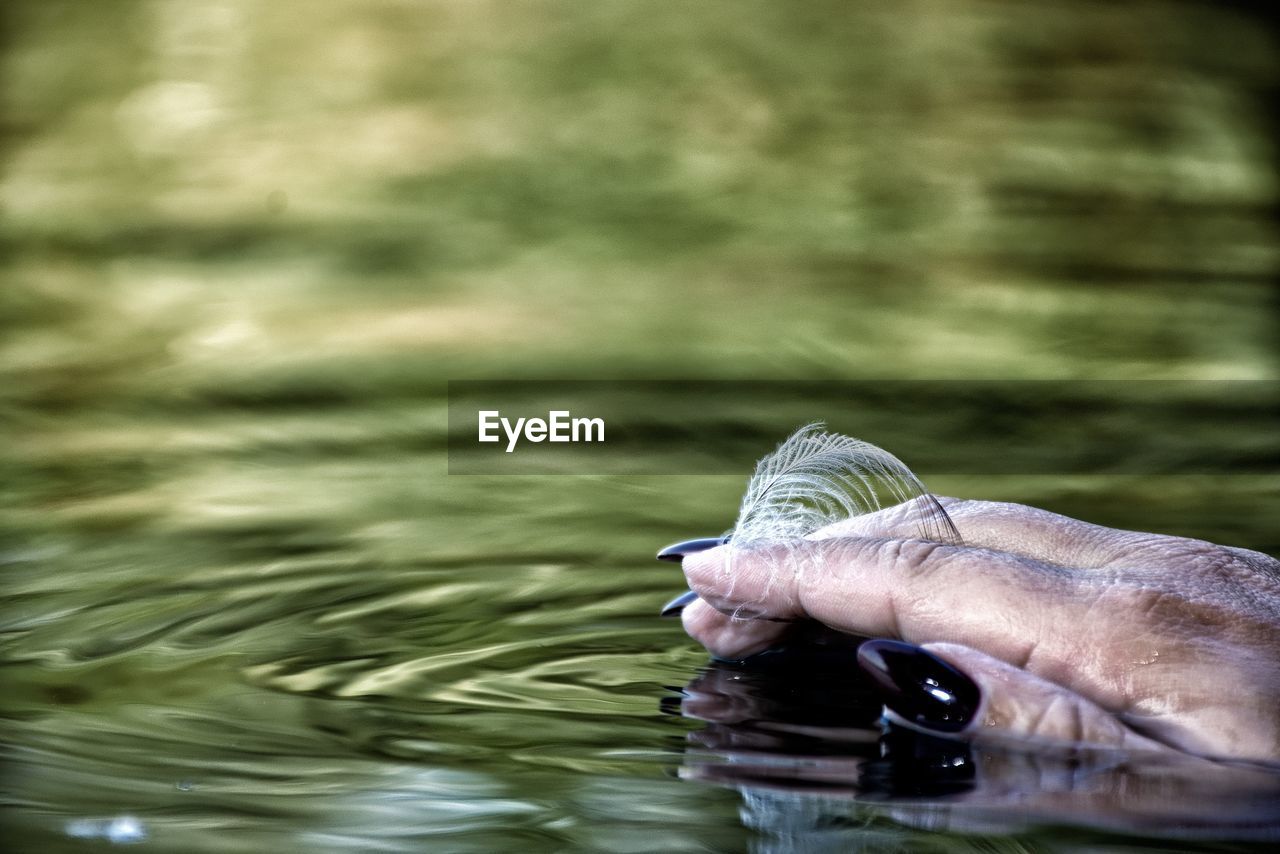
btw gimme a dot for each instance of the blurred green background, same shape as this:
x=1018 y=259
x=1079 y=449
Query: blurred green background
x=243 y=246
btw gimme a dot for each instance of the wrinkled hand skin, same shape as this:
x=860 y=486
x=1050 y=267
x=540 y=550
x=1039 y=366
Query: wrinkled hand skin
x=1070 y=629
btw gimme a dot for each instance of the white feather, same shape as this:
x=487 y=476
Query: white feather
x=816 y=478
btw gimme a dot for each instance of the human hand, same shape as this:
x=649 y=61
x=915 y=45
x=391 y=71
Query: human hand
x=1039 y=626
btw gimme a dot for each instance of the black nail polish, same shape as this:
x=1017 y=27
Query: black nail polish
x=919 y=686
x=676 y=605
x=676 y=551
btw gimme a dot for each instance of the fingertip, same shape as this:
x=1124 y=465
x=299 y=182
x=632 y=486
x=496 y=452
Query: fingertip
x=705 y=564
x=919 y=686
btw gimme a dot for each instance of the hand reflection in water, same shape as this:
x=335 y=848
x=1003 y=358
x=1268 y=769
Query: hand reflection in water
x=798 y=733
x=1040 y=627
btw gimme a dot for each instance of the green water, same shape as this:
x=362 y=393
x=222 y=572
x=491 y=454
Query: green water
x=244 y=246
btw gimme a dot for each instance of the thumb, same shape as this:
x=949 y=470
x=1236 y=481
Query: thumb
x=947 y=687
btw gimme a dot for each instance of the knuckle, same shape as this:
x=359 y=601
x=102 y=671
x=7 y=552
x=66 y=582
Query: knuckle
x=969 y=506
x=1262 y=565
x=912 y=555
x=975 y=507
x=1157 y=610
x=1190 y=581
x=1145 y=604
x=1060 y=718
x=1207 y=560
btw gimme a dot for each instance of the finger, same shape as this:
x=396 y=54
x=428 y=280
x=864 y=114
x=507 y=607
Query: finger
x=1025 y=612
x=1001 y=526
x=726 y=637
x=953 y=688
x=1002 y=603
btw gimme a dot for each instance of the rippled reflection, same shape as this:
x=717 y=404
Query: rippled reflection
x=797 y=734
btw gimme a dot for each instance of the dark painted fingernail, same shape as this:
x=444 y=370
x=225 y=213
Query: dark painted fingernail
x=676 y=551
x=676 y=605
x=919 y=686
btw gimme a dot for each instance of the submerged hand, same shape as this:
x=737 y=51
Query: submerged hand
x=1039 y=625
